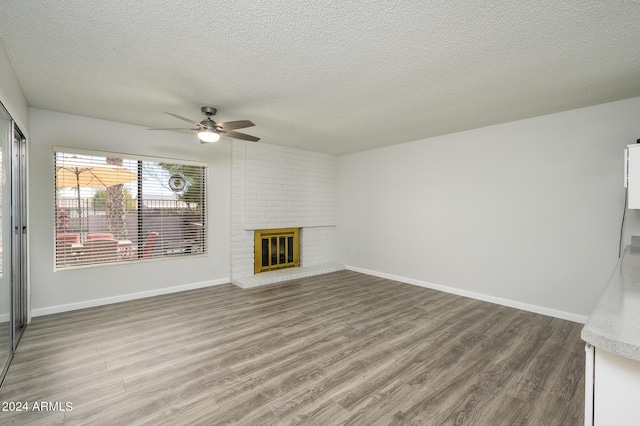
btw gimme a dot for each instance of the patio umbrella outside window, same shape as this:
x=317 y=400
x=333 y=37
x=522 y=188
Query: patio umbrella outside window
x=74 y=172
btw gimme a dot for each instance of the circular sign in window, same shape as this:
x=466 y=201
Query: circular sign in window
x=177 y=182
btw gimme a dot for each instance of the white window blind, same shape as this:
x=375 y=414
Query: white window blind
x=111 y=209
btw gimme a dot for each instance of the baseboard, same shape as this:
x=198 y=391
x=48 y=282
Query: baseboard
x=158 y=292
x=125 y=297
x=479 y=296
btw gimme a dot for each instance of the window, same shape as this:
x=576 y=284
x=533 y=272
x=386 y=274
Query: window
x=112 y=208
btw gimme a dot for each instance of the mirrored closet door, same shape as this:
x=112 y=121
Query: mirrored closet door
x=19 y=236
x=13 y=239
x=6 y=344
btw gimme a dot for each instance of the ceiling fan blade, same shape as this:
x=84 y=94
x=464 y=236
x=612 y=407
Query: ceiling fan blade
x=238 y=135
x=188 y=120
x=172 y=128
x=232 y=125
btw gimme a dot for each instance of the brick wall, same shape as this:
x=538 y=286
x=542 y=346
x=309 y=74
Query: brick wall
x=280 y=187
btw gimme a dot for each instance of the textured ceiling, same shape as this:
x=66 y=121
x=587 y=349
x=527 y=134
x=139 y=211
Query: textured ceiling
x=328 y=76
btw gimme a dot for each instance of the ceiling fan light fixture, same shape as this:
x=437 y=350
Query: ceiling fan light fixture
x=208 y=135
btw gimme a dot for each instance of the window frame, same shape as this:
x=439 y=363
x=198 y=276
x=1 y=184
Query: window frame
x=204 y=209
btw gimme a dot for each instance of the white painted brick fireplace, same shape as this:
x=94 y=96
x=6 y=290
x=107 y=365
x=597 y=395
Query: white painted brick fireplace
x=280 y=187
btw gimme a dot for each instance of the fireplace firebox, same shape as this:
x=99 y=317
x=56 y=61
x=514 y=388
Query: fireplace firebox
x=276 y=249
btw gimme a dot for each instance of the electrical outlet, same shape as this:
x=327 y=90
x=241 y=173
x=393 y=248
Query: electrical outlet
x=216 y=263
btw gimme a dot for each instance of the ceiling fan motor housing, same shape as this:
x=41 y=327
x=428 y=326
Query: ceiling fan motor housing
x=209 y=124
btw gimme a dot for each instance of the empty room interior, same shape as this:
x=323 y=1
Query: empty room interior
x=328 y=213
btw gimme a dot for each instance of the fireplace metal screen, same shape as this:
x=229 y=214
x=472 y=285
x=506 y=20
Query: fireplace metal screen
x=276 y=249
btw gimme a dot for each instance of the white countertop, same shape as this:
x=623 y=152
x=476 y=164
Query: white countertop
x=614 y=324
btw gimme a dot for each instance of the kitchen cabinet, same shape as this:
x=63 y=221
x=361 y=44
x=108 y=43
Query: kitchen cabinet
x=632 y=175
x=612 y=333
x=614 y=390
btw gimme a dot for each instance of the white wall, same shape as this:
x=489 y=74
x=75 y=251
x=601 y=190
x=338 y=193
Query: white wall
x=528 y=211
x=62 y=290
x=280 y=187
x=11 y=94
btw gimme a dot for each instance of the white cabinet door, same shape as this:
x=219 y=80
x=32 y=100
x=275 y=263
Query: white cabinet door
x=632 y=168
x=616 y=390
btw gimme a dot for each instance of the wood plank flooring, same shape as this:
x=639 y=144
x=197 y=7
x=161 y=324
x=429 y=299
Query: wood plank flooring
x=336 y=349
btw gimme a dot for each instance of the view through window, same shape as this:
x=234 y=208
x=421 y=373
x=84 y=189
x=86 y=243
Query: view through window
x=111 y=208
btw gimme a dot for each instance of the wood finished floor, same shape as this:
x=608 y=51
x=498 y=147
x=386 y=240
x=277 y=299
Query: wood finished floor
x=339 y=348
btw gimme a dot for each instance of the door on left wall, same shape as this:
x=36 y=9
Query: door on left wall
x=13 y=239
